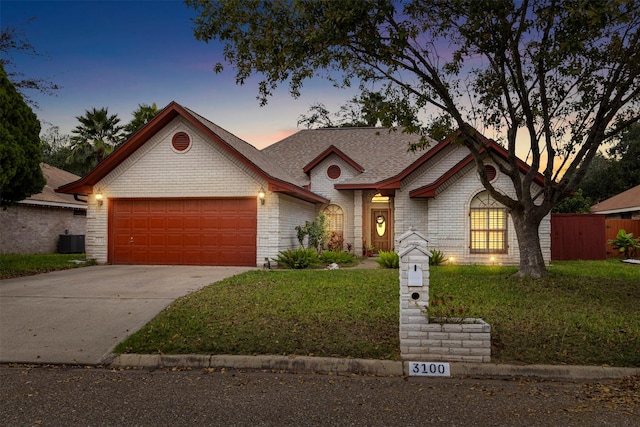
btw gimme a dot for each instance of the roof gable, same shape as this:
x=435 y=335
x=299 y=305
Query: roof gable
x=326 y=153
x=432 y=189
x=378 y=152
x=278 y=180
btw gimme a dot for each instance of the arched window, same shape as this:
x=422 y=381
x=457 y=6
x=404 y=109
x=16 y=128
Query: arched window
x=488 y=225
x=335 y=219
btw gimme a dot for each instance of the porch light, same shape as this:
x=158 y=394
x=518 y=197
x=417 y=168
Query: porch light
x=261 y=195
x=99 y=198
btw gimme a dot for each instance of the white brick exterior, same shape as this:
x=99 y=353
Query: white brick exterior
x=445 y=220
x=324 y=186
x=204 y=170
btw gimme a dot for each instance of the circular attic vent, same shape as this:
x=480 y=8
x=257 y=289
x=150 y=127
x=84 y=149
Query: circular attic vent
x=334 y=172
x=180 y=141
x=491 y=172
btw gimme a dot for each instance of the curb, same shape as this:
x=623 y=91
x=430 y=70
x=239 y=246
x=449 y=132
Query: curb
x=328 y=365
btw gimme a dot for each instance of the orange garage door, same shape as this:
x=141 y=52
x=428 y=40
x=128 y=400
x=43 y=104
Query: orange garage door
x=182 y=231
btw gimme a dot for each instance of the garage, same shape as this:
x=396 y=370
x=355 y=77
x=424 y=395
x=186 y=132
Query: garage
x=198 y=231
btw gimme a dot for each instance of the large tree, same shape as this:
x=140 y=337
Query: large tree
x=618 y=170
x=94 y=138
x=20 y=173
x=555 y=79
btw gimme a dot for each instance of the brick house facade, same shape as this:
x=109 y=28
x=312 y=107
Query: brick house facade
x=33 y=226
x=173 y=202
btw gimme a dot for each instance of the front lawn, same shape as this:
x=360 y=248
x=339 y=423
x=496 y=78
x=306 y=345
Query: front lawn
x=584 y=313
x=13 y=265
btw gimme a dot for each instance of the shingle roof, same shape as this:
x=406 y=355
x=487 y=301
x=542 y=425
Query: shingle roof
x=251 y=153
x=55 y=178
x=381 y=153
x=626 y=201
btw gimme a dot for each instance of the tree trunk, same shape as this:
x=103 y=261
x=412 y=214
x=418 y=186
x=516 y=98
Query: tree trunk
x=531 y=260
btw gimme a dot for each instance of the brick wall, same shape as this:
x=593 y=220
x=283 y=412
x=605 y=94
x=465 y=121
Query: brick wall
x=445 y=218
x=468 y=340
x=29 y=229
x=323 y=185
x=204 y=170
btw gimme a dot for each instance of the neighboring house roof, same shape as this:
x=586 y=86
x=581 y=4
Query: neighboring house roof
x=48 y=197
x=627 y=201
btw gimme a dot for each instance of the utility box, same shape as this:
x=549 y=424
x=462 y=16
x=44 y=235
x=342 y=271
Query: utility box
x=71 y=243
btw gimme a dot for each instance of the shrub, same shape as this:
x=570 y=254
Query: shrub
x=443 y=309
x=437 y=257
x=625 y=243
x=388 y=259
x=335 y=242
x=339 y=257
x=316 y=232
x=298 y=258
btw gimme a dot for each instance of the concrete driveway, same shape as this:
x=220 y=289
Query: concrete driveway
x=77 y=316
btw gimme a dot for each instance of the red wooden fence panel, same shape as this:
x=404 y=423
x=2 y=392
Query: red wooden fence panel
x=613 y=225
x=578 y=236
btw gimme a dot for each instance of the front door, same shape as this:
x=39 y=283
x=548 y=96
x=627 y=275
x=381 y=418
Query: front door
x=380 y=230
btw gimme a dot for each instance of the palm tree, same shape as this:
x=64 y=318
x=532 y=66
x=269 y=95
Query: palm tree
x=141 y=117
x=95 y=138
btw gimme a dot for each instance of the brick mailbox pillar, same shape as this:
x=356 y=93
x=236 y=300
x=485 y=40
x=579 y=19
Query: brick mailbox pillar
x=464 y=340
x=414 y=289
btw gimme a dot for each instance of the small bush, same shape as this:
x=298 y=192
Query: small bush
x=388 y=259
x=299 y=258
x=339 y=257
x=437 y=257
x=336 y=242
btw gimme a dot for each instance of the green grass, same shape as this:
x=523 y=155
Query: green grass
x=309 y=312
x=12 y=265
x=584 y=313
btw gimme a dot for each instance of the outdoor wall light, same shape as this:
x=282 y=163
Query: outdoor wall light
x=99 y=198
x=261 y=195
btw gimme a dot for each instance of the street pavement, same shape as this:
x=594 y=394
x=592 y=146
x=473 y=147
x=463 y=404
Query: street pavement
x=55 y=396
x=61 y=328
x=77 y=316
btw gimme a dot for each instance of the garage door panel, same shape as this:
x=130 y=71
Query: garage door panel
x=187 y=231
x=191 y=223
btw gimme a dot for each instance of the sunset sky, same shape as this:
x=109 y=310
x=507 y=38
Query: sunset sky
x=118 y=54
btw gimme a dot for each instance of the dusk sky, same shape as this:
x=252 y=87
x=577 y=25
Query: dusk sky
x=118 y=54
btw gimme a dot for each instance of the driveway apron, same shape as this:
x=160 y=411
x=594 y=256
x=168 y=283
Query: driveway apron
x=77 y=316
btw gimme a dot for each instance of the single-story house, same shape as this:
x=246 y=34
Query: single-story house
x=33 y=225
x=625 y=205
x=182 y=190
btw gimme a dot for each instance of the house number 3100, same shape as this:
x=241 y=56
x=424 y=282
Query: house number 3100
x=429 y=369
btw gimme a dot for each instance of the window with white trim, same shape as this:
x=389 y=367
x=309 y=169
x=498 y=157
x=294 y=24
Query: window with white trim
x=488 y=225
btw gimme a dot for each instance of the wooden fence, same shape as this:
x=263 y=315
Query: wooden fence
x=585 y=236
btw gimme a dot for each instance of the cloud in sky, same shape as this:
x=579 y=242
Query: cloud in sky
x=118 y=54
